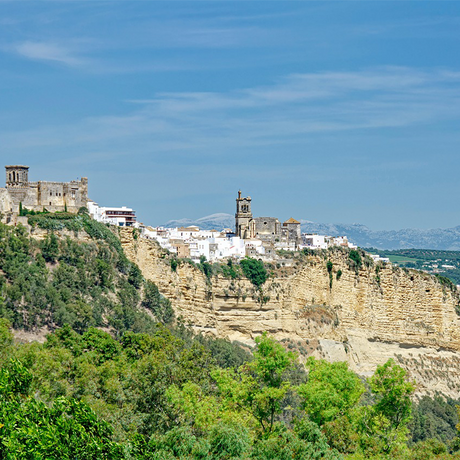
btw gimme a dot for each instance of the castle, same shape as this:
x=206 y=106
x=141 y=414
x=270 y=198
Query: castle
x=266 y=229
x=37 y=196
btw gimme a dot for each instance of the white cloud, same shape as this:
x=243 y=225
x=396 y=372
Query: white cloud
x=287 y=113
x=47 y=52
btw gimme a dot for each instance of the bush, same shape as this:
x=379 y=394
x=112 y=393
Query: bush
x=157 y=304
x=174 y=264
x=254 y=271
x=355 y=257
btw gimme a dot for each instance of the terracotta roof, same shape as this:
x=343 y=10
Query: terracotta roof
x=292 y=221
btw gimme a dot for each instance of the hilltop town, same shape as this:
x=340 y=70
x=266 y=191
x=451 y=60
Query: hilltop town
x=261 y=237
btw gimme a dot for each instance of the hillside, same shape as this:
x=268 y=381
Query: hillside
x=442 y=239
x=118 y=378
x=72 y=270
x=360 y=313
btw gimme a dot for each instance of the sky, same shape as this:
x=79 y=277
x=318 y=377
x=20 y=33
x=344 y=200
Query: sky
x=344 y=112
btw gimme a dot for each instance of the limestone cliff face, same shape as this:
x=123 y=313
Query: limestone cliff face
x=366 y=317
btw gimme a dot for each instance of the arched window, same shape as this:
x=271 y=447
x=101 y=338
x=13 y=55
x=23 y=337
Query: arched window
x=14 y=176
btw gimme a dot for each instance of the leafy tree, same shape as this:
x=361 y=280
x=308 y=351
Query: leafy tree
x=224 y=352
x=31 y=430
x=50 y=248
x=254 y=271
x=6 y=338
x=205 y=267
x=329 y=266
x=174 y=263
x=135 y=276
x=230 y=270
x=306 y=442
x=387 y=419
x=434 y=418
x=259 y=387
x=355 y=257
x=104 y=346
x=331 y=391
x=160 y=306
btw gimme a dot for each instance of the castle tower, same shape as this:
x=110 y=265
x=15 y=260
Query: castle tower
x=17 y=176
x=243 y=216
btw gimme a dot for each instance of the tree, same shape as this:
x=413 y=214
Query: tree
x=135 y=276
x=32 y=430
x=388 y=418
x=254 y=271
x=259 y=387
x=355 y=257
x=331 y=391
x=50 y=248
x=6 y=338
x=306 y=442
x=160 y=306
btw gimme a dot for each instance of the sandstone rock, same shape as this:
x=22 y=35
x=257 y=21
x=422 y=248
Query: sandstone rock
x=363 y=319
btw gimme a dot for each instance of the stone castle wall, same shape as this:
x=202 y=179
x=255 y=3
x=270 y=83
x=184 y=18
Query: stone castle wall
x=36 y=196
x=6 y=203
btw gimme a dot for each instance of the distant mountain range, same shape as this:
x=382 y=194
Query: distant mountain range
x=438 y=238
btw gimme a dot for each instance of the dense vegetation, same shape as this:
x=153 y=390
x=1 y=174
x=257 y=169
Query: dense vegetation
x=119 y=378
x=171 y=395
x=55 y=282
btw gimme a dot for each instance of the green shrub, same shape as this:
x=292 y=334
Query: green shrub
x=254 y=271
x=355 y=257
x=174 y=264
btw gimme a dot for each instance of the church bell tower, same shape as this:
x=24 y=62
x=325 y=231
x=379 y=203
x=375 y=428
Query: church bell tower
x=243 y=216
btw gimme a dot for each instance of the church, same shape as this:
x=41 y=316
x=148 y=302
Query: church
x=266 y=229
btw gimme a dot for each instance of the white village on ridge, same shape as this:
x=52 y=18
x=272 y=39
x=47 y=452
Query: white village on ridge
x=260 y=237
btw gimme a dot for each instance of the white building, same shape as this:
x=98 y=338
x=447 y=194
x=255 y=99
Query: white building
x=119 y=216
x=313 y=241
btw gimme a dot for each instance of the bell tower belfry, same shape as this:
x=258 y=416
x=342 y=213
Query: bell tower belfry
x=243 y=217
x=17 y=176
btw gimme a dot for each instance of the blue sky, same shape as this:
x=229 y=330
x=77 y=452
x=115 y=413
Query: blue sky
x=326 y=111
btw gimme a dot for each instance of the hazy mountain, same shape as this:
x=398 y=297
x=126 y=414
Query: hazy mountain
x=214 y=221
x=438 y=238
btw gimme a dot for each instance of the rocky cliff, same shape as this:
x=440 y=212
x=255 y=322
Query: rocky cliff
x=364 y=315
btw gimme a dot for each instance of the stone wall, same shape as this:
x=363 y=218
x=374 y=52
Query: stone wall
x=53 y=196
x=6 y=204
x=267 y=228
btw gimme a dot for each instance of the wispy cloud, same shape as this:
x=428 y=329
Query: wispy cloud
x=272 y=117
x=47 y=51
